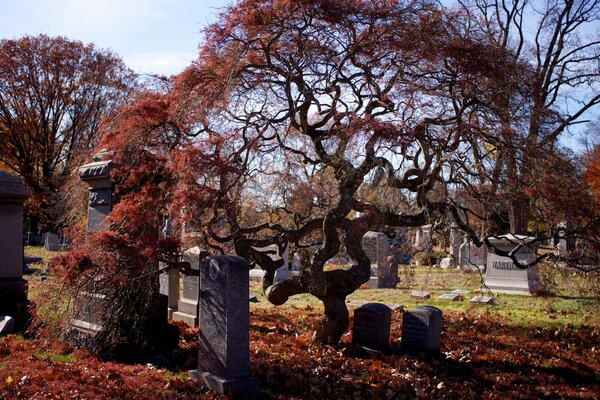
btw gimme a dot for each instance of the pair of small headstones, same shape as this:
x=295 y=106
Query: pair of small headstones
x=421 y=328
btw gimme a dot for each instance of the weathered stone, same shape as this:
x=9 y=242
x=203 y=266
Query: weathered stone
x=51 y=242
x=422 y=329
x=97 y=176
x=384 y=266
x=447 y=262
x=223 y=357
x=471 y=257
x=450 y=296
x=281 y=274
x=7 y=324
x=13 y=288
x=296 y=262
x=482 y=300
x=503 y=276
x=372 y=326
x=419 y=294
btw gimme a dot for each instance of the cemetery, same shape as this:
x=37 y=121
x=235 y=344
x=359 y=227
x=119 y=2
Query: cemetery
x=334 y=200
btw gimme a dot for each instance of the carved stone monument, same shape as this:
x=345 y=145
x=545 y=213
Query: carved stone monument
x=13 y=288
x=503 y=276
x=224 y=335
x=372 y=326
x=97 y=176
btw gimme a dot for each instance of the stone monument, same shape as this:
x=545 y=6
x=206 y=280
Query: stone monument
x=503 y=276
x=13 y=288
x=224 y=335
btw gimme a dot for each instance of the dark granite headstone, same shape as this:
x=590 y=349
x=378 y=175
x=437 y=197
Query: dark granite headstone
x=224 y=335
x=372 y=326
x=422 y=329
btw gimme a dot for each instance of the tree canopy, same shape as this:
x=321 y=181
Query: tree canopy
x=54 y=93
x=271 y=136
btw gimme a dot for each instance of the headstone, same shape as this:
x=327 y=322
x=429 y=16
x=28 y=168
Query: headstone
x=503 y=276
x=455 y=242
x=427 y=238
x=482 y=300
x=186 y=309
x=88 y=303
x=296 y=262
x=7 y=324
x=256 y=274
x=384 y=269
x=224 y=334
x=450 y=296
x=13 y=288
x=51 y=242
x=422 y=329
x=281 y=274
x=97 y=176
x=471 y=257
x=446 y=263
x=371 y=327
x=419 y=294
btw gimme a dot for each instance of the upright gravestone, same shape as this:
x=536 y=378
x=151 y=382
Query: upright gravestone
x=224 y=335
x=503 y=276
x=384 y=272
x=88 y=303
x=187 y=302
x=372 y=326
x=51 y=242
x=471 y=257
x=422 y=329
x=455 y=242
x=97 y=177
x=296 y=262
x=13 y=288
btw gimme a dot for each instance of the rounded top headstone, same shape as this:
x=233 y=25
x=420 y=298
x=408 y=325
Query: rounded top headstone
x=12 y=189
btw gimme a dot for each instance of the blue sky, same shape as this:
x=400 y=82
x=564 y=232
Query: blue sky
x=152 y=36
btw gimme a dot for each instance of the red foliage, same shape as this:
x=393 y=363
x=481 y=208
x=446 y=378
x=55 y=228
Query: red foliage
x=482 y=357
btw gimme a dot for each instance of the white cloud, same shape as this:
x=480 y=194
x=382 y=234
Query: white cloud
x=161 y=64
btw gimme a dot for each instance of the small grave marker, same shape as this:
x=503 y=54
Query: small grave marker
x=482 y=300
x=460 y=291
x=418 y=294
x=450 y=296
x=372 y=326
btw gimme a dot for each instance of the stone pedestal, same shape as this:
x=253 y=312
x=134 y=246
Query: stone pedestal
x=13 y=288
x=224 y=335
x=503 y=276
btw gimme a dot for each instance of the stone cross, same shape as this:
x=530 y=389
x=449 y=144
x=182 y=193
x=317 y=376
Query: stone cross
x=224 y=335
x=13 y=288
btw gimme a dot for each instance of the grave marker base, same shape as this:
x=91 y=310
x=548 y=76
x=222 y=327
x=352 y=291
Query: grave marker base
x=238 y=386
